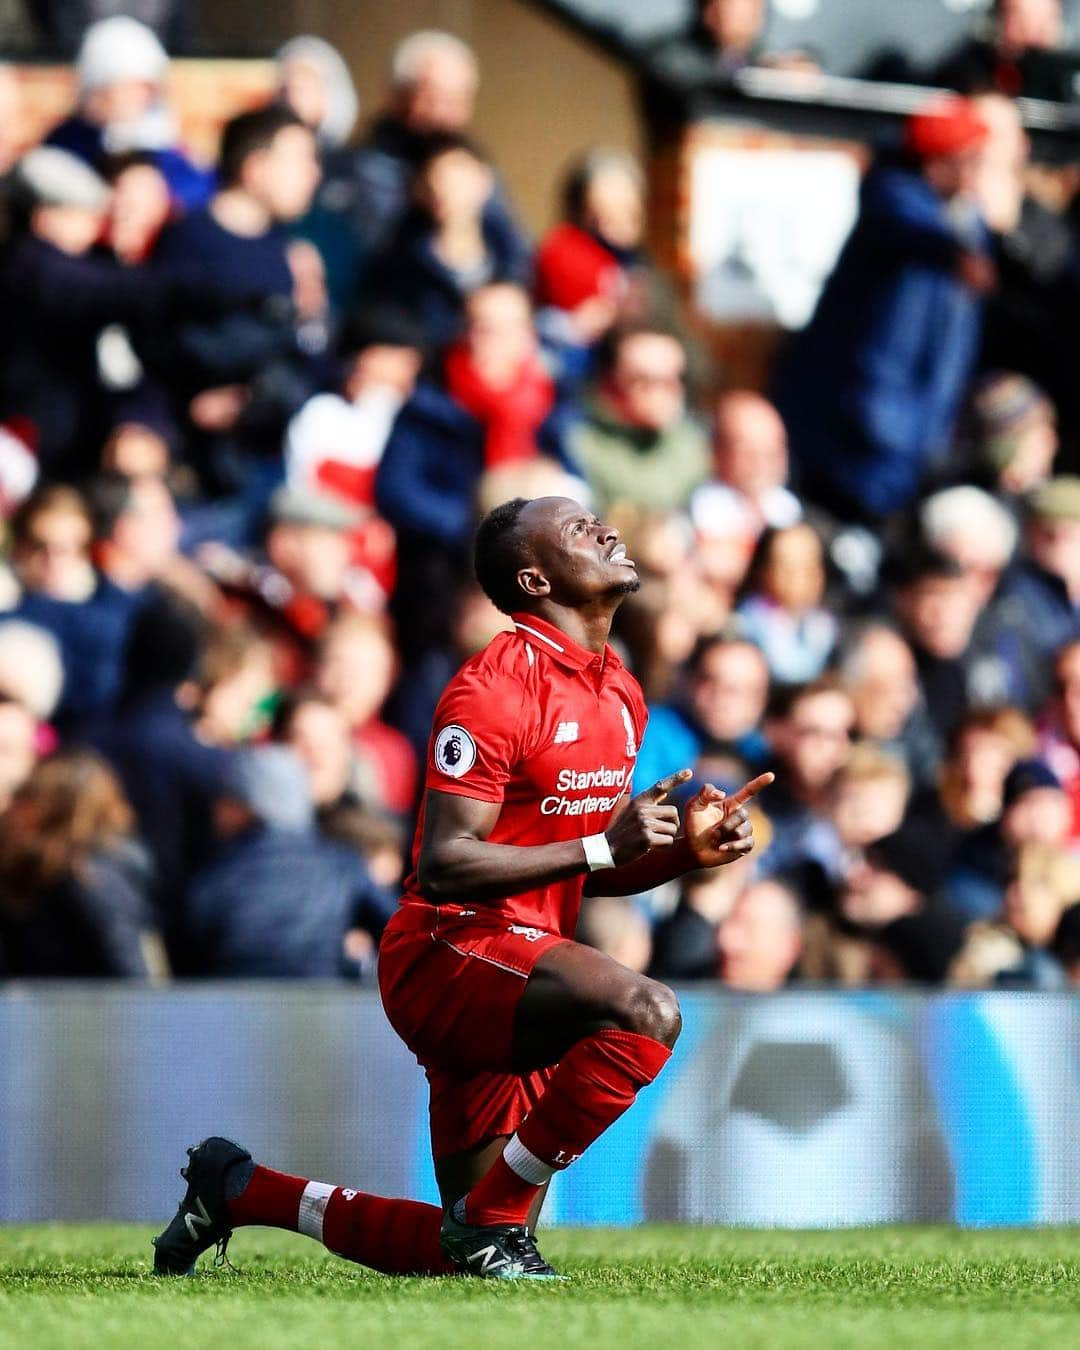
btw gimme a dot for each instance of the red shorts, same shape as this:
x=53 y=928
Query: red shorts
x=450 y=980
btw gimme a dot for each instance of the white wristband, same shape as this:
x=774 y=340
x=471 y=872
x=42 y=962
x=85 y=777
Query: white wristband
x=597 y=852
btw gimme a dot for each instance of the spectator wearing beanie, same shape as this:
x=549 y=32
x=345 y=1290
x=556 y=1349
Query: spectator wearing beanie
x=121 y=69
x=1034 y=810
x=1008 y=436
x=871 y=388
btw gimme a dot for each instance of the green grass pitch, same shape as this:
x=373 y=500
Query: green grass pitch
x=90 y=1285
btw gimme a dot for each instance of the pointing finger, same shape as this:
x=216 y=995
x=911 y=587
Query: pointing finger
x=751 y=789
x=660 y=790
x=707 y=794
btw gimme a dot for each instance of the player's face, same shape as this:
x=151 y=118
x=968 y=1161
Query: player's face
x=579 y=557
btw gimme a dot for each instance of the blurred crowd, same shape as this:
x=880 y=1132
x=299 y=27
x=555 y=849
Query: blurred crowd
x=250 y=414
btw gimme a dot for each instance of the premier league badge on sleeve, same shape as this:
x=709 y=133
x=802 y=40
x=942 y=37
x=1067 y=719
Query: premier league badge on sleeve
x=455 y=751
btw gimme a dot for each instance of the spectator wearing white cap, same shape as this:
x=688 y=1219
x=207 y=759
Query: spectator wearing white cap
x=121 y=70
x=49 y=373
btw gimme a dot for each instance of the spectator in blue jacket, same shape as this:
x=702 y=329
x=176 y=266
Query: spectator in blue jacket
x=279 y=899
x=714 y=725
x=434 y=78
x=449 y=245
x=170 y=777
x=870 y=389
x=87 y=614
x=243 y=373
x=56 y=299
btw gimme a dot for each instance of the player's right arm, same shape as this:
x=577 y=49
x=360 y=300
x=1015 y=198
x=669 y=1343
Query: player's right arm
x=457 y=864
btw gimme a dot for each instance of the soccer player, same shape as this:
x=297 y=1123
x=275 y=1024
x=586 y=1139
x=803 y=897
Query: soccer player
x=532 y=1043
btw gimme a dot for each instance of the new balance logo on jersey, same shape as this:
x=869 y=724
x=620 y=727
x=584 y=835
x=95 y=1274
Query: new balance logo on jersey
x=193 y=1222
x=529 y=934
x=565 y=733
x=487 y=1258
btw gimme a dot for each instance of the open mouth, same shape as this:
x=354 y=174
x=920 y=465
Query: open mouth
x=618 y=555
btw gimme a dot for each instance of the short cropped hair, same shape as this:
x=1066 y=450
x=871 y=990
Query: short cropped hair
x=611 y=344
x=498 y=553
x=785 y=698
x=249 y=134
x=590 y=165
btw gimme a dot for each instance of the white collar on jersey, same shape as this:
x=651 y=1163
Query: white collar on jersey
x=543 y=637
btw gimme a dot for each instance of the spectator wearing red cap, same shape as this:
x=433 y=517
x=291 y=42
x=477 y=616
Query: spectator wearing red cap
x=870 y=389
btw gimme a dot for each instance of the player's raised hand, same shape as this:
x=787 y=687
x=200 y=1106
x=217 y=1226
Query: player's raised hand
x=647 y=822
x=718 y=827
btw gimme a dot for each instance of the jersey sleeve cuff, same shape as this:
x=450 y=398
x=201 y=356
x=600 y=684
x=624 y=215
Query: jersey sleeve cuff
x=492 y=798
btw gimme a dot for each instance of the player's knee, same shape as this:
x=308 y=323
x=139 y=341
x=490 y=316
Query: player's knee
x=651 y=1009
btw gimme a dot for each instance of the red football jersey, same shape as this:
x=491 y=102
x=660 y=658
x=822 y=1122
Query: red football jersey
x=549 y=731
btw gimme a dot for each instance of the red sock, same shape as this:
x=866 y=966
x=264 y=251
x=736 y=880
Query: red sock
x=594 y=1084
x=397 y=1237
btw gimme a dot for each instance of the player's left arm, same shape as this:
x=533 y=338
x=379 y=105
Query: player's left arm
x=716 y=829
